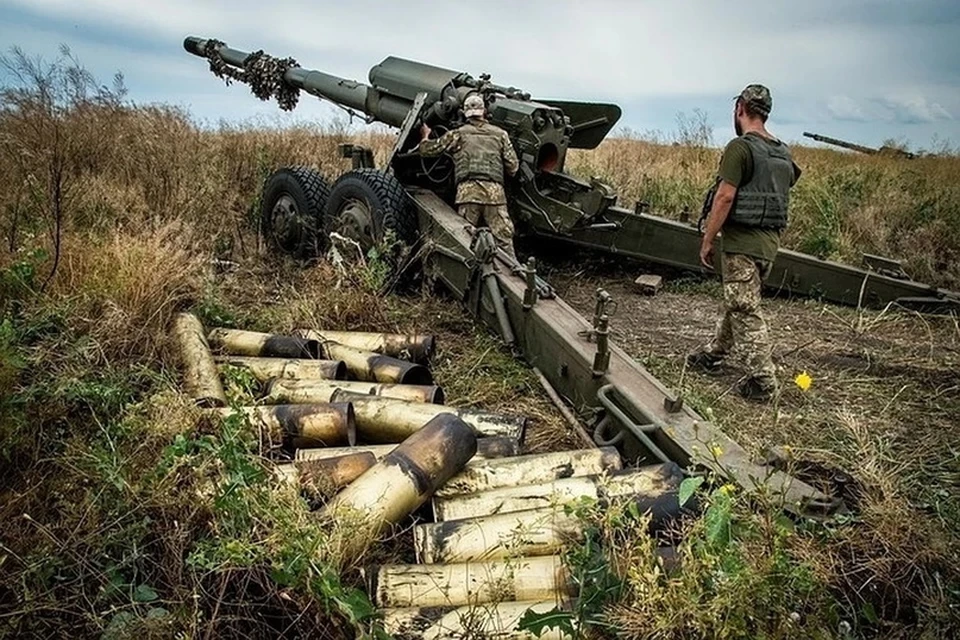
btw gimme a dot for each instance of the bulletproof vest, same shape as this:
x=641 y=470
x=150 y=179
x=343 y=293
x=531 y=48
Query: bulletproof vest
x=479 y=155
x=764 y=200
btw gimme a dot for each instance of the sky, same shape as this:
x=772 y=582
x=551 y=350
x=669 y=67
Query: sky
x=861 y=70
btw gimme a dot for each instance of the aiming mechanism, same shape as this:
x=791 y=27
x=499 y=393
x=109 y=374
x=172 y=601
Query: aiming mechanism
x=550 y=208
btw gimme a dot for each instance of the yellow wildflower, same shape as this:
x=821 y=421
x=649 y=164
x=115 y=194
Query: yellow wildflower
x=716 y=451
x=803 y=380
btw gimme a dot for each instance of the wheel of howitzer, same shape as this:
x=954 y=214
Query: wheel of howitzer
x=371 y=208
x=291 y=210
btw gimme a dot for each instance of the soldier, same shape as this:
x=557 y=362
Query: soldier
x=748 y=213
x=482 y=154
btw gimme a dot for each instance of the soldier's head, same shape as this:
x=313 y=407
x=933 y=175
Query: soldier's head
x=753 y=105
x=473 y=106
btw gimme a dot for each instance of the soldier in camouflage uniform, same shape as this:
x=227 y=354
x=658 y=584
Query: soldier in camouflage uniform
x=750 y=201
x=483 y=155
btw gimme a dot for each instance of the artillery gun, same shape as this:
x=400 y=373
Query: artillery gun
x=885 y=150
x=550 y=208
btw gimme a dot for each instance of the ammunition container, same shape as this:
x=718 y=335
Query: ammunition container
x=648 y=483
x=530 y=469
x=201 y=380
x=488 y=621
x=403 y=480
x=299 y=391
x=235 y=342
x=487 y=448
x=263 y=369
x=303 y=425
x=413 y=347
x=385 y=420
x=374 y=367
x=443 y=585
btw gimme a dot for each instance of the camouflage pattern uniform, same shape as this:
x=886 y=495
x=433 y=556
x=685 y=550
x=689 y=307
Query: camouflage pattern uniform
x=482 y=153
x=762 y=171
x=742 y=318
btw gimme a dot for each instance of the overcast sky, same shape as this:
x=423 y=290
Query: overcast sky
x=864 y=70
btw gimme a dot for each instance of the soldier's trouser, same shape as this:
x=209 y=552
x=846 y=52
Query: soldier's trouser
x=494 y=216
x=743 y=323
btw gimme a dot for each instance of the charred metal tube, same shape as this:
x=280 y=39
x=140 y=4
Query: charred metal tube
x=487 y=448
x=646 y=484
x=303 y=425
x=374 y=367
x=530 y=470
x=201 y=380
x=299 y=391
x=403 y=480
x=323 y=477
x=385 y=420
x=538 y=532
x=489 y=621
x=263 y=369
x=414 y=347
x=236 y=342
x=533 y=532
x=444 y=585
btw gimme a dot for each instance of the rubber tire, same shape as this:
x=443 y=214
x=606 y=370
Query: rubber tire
x=310 y=192
x=390 y=206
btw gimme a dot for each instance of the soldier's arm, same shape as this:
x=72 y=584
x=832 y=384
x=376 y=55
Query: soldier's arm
x=511 y=163
x=439 y=145
x=733 y=167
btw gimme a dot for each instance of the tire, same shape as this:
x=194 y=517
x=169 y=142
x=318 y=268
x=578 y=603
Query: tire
x=292 y=208
x=367 y=204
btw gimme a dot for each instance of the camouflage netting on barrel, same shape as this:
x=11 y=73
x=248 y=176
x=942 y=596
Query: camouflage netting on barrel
x=263 y=72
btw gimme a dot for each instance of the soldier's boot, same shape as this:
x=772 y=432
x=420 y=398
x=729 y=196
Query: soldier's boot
x=706 y=362
x=757 y=389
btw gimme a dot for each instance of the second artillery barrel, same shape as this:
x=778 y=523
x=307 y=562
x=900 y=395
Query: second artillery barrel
x=385 y=420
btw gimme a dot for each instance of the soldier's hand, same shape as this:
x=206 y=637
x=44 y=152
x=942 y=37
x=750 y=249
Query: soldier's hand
x=706 y=253
x=424 y=131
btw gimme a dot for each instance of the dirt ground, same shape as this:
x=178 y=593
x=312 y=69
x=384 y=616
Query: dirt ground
x=895 y=372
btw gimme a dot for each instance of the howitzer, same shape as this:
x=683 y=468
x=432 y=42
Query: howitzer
x=303 y=213
x=884 y=150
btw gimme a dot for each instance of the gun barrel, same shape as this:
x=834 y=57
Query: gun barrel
x=839 y=143
x=344 y=92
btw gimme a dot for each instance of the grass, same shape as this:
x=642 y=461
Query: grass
x=128 y=515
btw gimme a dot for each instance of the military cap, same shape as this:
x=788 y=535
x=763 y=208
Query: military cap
x=758 y=97
x=473 y=106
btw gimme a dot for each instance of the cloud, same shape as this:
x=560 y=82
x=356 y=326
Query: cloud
x=672 y=56
x=915 y=110
x=846 y=108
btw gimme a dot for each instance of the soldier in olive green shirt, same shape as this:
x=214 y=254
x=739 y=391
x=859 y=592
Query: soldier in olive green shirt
x=748 y=214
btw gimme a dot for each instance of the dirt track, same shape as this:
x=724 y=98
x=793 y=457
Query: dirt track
x=898 y=370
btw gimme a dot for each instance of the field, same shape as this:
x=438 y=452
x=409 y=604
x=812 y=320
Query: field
x=128 y=516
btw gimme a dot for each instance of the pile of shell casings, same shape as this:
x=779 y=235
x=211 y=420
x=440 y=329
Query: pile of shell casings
x=371 y=438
